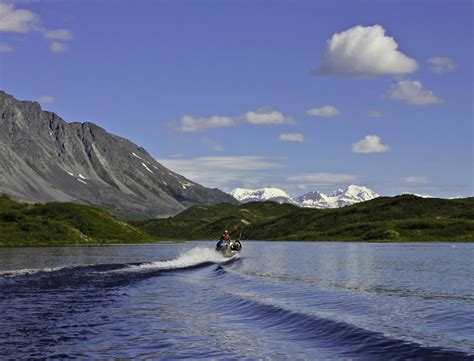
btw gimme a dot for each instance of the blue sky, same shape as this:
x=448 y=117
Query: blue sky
x=293 y=94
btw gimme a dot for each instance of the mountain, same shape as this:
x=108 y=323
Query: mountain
x=260 y=195
x=339 y=198
x=43 y=158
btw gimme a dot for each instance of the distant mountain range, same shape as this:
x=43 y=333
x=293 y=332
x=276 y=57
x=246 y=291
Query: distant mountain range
x=43 y=158
x=315 y=199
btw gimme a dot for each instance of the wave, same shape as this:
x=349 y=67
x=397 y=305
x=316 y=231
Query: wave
x=196 y=257
x=28 y=271
x=359 y=342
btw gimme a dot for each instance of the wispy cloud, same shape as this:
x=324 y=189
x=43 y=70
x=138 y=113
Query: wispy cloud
x=364 y=51
x=58 y=34
x=262 y=116
x=412 y=92
x=291 y=137
x=369 y=144
x=225 y=172
x=415 y=180
x=46 y=99
x=375 y=114
x=441 y=64
x=325 y=111
x=307 y=180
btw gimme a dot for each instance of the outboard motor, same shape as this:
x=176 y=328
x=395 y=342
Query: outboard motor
x=236 y=246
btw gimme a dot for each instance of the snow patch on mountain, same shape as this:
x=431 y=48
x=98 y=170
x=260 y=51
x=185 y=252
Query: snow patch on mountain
x=258 y=195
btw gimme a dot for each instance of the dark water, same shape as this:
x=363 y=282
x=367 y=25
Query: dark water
x=275 y=301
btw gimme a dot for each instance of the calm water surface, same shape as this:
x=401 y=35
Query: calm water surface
x=275 y=301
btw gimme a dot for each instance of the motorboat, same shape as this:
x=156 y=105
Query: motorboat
x=229 y=248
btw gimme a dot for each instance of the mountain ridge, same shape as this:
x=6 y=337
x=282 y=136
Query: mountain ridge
x=339 y=198
x=43 y=158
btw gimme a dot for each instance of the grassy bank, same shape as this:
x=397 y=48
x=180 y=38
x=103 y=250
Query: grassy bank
x=403 y=218
x=387 y=219
x=62 y=224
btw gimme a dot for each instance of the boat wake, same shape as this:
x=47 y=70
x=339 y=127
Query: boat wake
x=196 y=257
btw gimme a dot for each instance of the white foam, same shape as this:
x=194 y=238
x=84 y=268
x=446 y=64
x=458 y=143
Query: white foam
x=80 y=180
x=28 y=271
x=193 y=257
x=70 y=173
x=81 y=176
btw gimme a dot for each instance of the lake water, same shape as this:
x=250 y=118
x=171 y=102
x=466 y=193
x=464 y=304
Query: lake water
x=274 y=301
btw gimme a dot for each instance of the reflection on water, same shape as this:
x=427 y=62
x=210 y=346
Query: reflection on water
x=277 y=300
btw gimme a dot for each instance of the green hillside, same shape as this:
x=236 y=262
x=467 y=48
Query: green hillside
x=401 y=218
x=62 y=224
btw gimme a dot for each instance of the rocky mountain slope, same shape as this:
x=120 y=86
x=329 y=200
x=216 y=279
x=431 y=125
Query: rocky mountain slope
x=43 y=158
x=339 y=198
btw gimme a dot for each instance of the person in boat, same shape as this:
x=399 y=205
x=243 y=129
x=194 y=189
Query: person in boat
x=225 y=237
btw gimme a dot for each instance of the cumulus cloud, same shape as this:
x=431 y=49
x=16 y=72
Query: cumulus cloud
x=323 y=179
x=325 y=111
x=262 y=116
x=192 y=124
x=412 y=92
x=369 y=144
x=266 y=116
x=225 y=172
x=45 y=99
x=291 y=137
x=441 y=64
x=58 y=34
x=5 y=48
x=17 y=20
x=375 y=114
x=364 y=51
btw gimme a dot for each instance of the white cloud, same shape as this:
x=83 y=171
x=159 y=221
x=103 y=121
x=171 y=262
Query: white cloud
x=45 y=99
x=225 y=172
x=266 y=116
x=58 y=34
x=375 y=114
x=17 y=20
x=5 y=48
x=364 y=51
x=291 y=137
x=412 y=92
x=325 y=111
x=440 y=64
x=415 y=180
x=323 y=179
x=370 y=144
x=25 y=21
x=191 y=124
x=57 y=47
x=262 y=116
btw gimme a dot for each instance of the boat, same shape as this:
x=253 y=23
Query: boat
x=229 y=248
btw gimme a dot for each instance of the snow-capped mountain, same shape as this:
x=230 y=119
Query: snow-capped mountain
x=258 y=195
x=315 y=199
x=339 y=198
